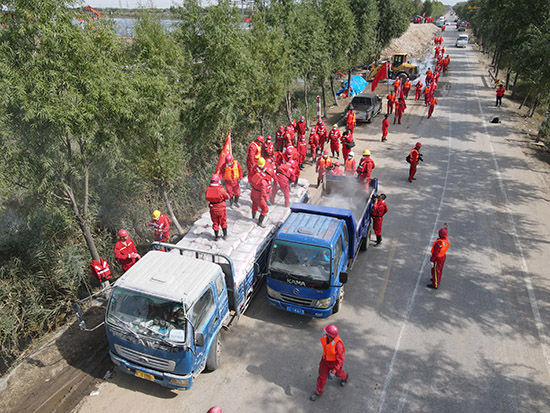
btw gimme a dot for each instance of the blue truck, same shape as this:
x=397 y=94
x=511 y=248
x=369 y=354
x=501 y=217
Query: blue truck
x=315 y=248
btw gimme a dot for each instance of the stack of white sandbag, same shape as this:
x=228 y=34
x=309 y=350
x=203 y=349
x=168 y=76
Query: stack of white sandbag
x=245 y=238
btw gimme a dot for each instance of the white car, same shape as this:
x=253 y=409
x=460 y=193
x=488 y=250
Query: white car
x=462 y=40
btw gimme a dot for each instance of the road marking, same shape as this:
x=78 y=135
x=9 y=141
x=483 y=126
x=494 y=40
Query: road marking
x=386 y=275
x=525 y=269
x=402 y=399
x=410 y=303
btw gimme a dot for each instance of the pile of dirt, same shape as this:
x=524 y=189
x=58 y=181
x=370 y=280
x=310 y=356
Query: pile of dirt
x=416 y=41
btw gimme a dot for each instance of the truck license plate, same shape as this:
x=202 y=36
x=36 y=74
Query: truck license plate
x=145 y=376
x=297 y=310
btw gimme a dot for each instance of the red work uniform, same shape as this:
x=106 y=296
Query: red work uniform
x=427 y=94
x=216 y=195
x=429 y=76
x=391 y=101
x=437 y=50
x=418 y=90
x=349 y=167
x=321 y=167
x=396 y=85
x=366 y=165
x=232 y=174
x=260 y=191
x=347 y=140
x=284 y=176
x=313 y=143
x=268 y=149
x=385 y=128
x=161 y=227
x=415 y=156
x=379 y=209
x=351 y=120
x=433 y=102
x=321 y=131
x=301 y=129
x=439 y=254
x=400 y=107
x=302 y=151
x=252 y=155
x=333 y=360
x=406 y=88
x=279 y=138
x=125 y=253
x=335 y=137
x=290 y=132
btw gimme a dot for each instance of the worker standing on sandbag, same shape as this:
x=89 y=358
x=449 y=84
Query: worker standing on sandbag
x=302 y=151
x=366 y=165
x=232 y=174
x=216 y=195
x=335 y=137
x=260 y=191
x=284 y=176
x=301 y=128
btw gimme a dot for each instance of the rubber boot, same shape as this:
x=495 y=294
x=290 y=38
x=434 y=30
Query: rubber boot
x=318 y=183
x=236 y=201
x=216 y=235
x=224 y=230
x=231 y=202
x=378 y=240
x=261 y=221
x=253 y=215
x=314 y=396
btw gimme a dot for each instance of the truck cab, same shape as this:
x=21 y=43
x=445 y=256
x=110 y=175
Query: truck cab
x=164 y=317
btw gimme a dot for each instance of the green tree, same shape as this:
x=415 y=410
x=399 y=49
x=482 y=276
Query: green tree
x=394 y=20
x=365 y=48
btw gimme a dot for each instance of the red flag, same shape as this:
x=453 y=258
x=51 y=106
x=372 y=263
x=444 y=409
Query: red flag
x=423 y=14
x=382 y=74
x=248 y=19
x=226 y=150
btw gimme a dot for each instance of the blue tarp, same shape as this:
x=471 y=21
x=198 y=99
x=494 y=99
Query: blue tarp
x=358 y=84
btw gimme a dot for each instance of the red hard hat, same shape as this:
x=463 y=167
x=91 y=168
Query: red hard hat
x=229 y=159
x=443 y=232
x=302 y=118
x=289 y=149
x=122 y=233
x=260 y=138
x=418 y=145
x=331 y=330
x=336 y=163
x=215 y=178
x=281 y=127
x=268 y=137
x=215 y=409
x=325 y=153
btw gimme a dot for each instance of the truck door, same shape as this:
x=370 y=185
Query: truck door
x=204 y=316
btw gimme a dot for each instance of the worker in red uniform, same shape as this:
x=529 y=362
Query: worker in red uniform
x=321 y=167
x=161 y=226
x=284 y=176
x=414 y=157
x=268 y=149
x=232 y=174
x=437 y=51
x=350 y=165
x=302 y=151
x=500 y=94
x=335 y=136
x=347 y=143
x=321 y=131
x=125 y=250
x=279 y=138
x=332 y=360
x=418 y=90
x=351 y=119
x=439 y=255
x=301 y=128
x=443 y=28
x=364 y=169
x=429 y=76
x=260 y=191
x=379 y=209
x=400 y=107
x=433 y=102
x=290 y=133
x=335 y=170
x=313 y=143
x=216 y=195
x=396 y=85
x=254 y=153
x=385 y=128
x=427 y=93
x=391 y=100
x=446 y=63
x=406 y=88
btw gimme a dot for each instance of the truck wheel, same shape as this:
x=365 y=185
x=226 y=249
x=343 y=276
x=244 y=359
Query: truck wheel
x=214 y=355
x=338 y=303
x=363 y=245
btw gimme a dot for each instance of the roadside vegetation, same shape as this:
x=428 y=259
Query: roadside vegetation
x=98 y=131
x=517 y=36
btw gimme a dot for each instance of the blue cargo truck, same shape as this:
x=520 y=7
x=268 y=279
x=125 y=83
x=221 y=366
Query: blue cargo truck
x=316 y=247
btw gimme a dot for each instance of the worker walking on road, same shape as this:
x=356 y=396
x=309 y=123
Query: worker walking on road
x=232 y=174
x=439 y=255
x=379 y=209
x=400 y=107
x=351 y=119
x=391 y=100
x=323 y=163
x=126 y=251
x=385 y=128
x=366 y=165
x=216 y=195
x=500 y=94
x=321 y=131
x=418 y=90
x=332 y=360
x=414 y=157
x=406 y=88
x=161 y=226
x=301 y=128
x=313 y=143
x=260 y=191
x=433 y=102
x=347 y=143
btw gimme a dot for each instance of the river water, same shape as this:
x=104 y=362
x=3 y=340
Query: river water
x=125 y=26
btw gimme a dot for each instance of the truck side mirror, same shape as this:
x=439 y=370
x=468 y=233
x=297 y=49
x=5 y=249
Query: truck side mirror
x=343 y=277
x=199 y=339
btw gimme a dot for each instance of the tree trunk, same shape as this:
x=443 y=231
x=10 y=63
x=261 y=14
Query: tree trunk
x=333 y=91
x=170 y=210
x=493 y=62
x=514 y=86
x=288 y=106
x=507 y=78
x=524 y=100
x=323 y=95
x=534 y=106
x=261 y=119
x=543 y=131
x=497 y=67
x=349 y=82
x=306 y=102
x=82 y=224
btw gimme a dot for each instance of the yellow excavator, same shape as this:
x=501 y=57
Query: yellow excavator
x=399 y=68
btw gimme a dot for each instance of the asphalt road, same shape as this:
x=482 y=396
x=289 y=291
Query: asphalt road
x=478 y=344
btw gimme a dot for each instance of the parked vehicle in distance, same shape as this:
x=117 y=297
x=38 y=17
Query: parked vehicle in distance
x=462 y=40
x=366 y=105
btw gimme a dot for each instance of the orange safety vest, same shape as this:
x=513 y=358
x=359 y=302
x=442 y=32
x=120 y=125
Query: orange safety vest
x=259 y=151
x=349 y=166
x=329 y=350
x=324 y=163
x=231 y=173
x=445 y=244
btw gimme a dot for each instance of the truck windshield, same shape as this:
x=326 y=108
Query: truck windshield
x=146 y=315
x=300 y=262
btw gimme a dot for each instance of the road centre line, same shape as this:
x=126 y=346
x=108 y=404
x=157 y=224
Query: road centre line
x=410 y=303
x=524 y=268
